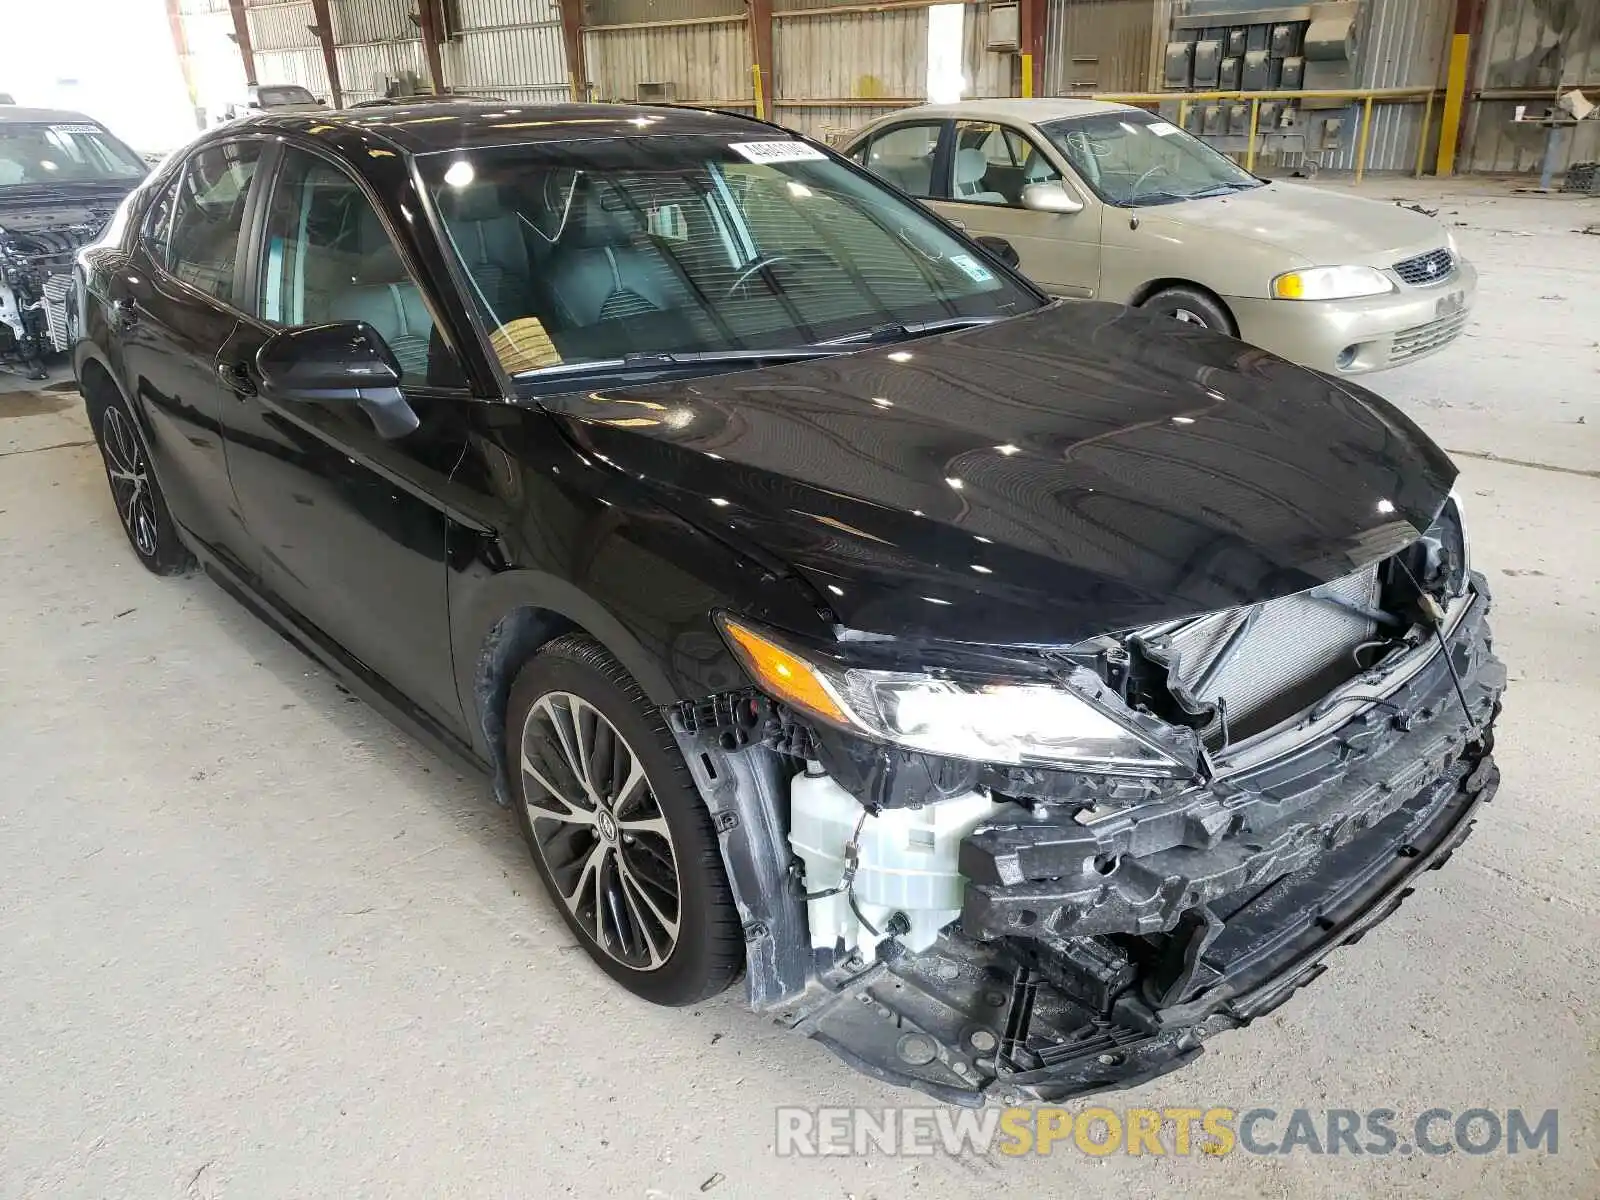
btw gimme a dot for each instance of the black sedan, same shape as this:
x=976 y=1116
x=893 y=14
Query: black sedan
x=1014 y=691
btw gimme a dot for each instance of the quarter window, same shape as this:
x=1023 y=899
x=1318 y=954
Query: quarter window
x=207 y=214
x=994 y=163
x=904 y=156
x=328 y=257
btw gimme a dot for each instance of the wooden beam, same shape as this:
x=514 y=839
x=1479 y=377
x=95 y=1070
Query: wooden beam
x=241 y=37
x=427 y=19
x=764 y=83
x=572 y=40
x=330 y=61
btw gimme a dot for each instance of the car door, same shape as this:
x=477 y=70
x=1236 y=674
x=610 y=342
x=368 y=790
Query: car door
x=350 y=533
x=173 y=304
x=989 y=165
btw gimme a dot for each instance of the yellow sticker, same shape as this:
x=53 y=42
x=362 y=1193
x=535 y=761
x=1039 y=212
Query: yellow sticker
x=523 y=345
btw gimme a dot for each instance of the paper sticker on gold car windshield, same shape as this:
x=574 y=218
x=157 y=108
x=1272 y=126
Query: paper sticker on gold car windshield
x=523 y=345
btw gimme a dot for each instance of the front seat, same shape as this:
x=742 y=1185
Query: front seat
x=603 y=268
x=971 y=167
x=381 y=293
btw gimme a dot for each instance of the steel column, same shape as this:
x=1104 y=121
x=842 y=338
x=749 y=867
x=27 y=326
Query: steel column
x=1032 y=18
x=1468 y=17
x=241 y=37
x=572 y=40
x=330 y=61
x=427 y=19
x=765 y=84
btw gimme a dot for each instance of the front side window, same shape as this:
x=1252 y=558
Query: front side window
x=327 y=257
x=1133 y=158
x=207 y=205
x=64 y=153
x=904 y=156
x=592 y=251
x=993 y=163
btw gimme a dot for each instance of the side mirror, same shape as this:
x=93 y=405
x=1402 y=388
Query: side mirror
x=1001 y=249
x=343 y=362
x=1050 y=197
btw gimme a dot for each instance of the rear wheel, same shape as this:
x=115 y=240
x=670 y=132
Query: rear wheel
x=1191 y=306
x=140 y=506
x=618 y=831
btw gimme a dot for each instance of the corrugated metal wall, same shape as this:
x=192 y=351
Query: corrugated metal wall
x=509 y=49
x=1098 y=46
x=708 y=62
x=1400 y=43
x=375 y=41
x=1543 y=46
x=286 y=50
x=988 y=72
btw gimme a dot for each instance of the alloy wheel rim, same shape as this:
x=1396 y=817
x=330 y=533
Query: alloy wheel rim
x=130 y=481
x=600 y=831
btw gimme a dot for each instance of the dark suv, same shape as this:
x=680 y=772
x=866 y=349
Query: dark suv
x=1014 y=691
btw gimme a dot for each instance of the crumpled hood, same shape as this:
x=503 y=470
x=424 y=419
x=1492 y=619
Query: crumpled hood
x=1324 y=227
x=1079 y=469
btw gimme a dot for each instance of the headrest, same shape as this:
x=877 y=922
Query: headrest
x=970 y=166
x=475 y=202
x=601 y=216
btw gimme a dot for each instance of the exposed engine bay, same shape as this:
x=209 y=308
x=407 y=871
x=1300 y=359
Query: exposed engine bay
x=38 y=241
x=990 y=929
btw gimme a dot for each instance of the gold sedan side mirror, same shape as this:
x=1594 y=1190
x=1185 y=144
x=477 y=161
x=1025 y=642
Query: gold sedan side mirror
x=1050 y=197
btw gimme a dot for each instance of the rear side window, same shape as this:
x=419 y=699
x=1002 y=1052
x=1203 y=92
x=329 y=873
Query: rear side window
x=904 y=156
x=207 y=214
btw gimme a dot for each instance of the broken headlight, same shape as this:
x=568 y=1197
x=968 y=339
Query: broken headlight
x=1445 y=554
x=1015 y=722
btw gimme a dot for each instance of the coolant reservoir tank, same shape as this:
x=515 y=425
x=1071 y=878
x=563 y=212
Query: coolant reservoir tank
x=907 y=861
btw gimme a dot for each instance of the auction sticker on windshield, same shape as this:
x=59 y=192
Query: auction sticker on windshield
x=776 y=152
x=1161 y=128
x=978 y=272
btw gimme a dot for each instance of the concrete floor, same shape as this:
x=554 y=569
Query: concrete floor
x=253 y=942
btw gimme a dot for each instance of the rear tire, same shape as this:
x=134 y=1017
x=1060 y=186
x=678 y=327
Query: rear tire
x=617 y=829
x=140 y=506
x=1193 y=306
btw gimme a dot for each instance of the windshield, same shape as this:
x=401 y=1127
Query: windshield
x=1134 y=158
x=278 y=95
x=592 y=251
x=56 y=154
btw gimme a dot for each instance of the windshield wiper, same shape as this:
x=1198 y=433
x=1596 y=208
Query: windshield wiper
x=654 y=360
x=899 y=331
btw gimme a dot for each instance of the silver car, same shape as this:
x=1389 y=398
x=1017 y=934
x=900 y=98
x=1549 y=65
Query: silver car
x=1102 y=200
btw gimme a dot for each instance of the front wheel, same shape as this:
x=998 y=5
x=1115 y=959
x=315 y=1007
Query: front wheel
x=618 y=831
x=140 y=505
x=1191 y=306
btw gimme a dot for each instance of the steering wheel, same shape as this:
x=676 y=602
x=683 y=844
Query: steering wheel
x=761 y=264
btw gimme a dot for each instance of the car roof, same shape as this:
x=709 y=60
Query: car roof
x=1042 y=108
x=10 y=113
x=434 y=125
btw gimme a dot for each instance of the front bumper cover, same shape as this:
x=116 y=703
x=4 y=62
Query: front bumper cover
x=1225 y=917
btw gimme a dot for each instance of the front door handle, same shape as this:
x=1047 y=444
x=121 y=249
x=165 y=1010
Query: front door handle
x=236 y=377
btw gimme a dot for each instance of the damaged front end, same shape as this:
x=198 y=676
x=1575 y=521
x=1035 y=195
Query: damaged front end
x=39 y=240
x=977 y=914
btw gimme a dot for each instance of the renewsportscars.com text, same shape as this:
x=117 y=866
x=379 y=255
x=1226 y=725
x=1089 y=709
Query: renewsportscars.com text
x=1099 y=1131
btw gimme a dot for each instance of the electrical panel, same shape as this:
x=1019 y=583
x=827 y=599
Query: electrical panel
x=1207 y=56
x=1004 y=29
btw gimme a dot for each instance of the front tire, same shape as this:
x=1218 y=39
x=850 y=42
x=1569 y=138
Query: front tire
x=1193 y=306
x=141 y=507
x=617 y=829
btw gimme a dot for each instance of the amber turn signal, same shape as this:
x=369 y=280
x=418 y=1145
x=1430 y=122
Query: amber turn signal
x=782 y=675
